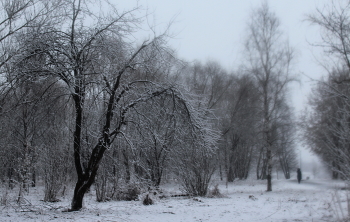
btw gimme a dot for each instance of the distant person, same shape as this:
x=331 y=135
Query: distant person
x=299 y=175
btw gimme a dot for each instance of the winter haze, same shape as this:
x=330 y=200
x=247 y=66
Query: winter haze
x=215 y=30
x=197 y=110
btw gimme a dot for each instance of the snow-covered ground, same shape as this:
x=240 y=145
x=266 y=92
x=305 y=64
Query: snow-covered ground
x=312 y=200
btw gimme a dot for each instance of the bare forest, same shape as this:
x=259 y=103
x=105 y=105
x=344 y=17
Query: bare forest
x=87 y=107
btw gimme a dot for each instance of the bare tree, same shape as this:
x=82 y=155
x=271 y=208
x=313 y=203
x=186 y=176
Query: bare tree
x=15 y=17
x=327 y=124
x=156 y=139
x=95 y=60
x=239 y=127
x=285 y=144
x=269 y=60
x=195 y=156
x=333 y=19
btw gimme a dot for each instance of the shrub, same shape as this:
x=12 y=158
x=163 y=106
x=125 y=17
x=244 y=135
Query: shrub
x=129 y=192
x=215 y=192
x=4 y=197
x=147 y=200
x=195 y=173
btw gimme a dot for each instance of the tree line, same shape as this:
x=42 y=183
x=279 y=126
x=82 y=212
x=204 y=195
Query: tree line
x=84 y=102
x=326 y=124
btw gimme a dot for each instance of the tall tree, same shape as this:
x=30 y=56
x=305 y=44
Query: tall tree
x=239 y=127
x=269 y=61
x=18 y=15
x=94 y=60
x=327 y=124
x=334 y=20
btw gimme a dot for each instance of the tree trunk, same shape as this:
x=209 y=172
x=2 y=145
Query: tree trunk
x=10 y=176
x=230 y=177
x=220 y=171
x=269 y=157
x=87 y=176
x=33 y=178
x=230 y=172
x=79 y=192
x=269 y=169
x=81 y=187
x=127 y=166
x=258 y=168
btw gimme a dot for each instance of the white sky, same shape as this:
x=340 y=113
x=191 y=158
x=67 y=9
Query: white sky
x=215 y=29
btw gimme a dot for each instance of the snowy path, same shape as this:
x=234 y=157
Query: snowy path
x=321 y=184
x=244 y=201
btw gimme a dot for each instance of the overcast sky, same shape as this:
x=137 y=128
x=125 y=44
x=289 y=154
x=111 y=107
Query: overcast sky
x=215 y=30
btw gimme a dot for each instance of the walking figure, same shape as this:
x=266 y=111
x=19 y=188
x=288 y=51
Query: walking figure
x=299 y=175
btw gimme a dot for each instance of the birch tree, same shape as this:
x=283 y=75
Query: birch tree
x=269 y=60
